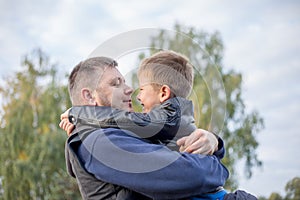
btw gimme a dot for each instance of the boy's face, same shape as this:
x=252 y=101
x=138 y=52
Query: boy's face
x=148 y=95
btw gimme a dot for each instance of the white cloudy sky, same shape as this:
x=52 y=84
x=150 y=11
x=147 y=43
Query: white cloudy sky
x=261 y=41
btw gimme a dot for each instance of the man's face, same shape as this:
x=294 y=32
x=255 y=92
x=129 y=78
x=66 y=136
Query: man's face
x=148 y=95
x=112 y=90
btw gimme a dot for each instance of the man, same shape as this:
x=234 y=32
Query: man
x=112 y=164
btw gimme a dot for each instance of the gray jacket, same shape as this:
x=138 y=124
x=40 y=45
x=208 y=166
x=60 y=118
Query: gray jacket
x=90 y=187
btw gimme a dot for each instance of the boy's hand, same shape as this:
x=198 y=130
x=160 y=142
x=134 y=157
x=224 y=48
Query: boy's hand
x=65 y=115
x=65 y=124
x=199 y=142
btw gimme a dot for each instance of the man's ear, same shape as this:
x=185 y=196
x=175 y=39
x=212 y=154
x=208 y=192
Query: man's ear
x=87 y=96
x=164 y=93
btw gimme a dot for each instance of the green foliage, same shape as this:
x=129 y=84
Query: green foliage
x=262 y=198
x=275 y=196
x=32 y=145
x=217 y=95
x=292 y=189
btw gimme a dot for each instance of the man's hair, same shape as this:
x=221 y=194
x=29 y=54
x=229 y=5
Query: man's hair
x=87 y=74
x=171 y=69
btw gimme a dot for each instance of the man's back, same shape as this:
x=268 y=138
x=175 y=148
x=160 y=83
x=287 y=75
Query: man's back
x=91 y=187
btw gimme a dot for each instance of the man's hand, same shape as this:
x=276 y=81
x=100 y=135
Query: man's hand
x=65 y=124
x=199 y=142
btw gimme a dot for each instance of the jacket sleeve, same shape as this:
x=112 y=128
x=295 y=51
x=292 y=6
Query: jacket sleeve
x=153 y=170
x=220 y=153
x=161 y=123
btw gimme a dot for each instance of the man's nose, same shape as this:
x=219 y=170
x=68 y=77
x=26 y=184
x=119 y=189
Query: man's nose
x=128 y=90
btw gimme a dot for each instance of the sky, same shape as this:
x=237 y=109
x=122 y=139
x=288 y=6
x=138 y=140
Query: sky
x=261 y=41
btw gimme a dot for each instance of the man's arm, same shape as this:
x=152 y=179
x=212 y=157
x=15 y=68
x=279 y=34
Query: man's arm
x=118 y=158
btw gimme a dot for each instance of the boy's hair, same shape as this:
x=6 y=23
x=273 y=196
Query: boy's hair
x=87 y=74
x=171 y=69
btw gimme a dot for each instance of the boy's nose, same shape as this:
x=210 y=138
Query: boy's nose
x=138 y=97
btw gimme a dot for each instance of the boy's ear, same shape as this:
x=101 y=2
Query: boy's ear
x=87 y=96
x=164 y=93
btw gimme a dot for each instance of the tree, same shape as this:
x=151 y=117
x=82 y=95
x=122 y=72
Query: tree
x=292 y=189
x=217 y=95
x=32 y=145
x=275 y=196
x=262 y=198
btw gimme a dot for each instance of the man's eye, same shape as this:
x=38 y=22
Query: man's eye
x=116 y=82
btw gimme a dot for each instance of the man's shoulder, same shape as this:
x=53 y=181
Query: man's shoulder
x=87 y=133
x=99 y=138
x=111 y=139
x=111 y=134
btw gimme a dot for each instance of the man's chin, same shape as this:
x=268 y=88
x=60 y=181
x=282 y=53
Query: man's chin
x=127 y=108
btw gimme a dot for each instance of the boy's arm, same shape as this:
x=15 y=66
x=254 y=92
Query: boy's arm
x=161 y=123
x=65 y=124
x=198 y=142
